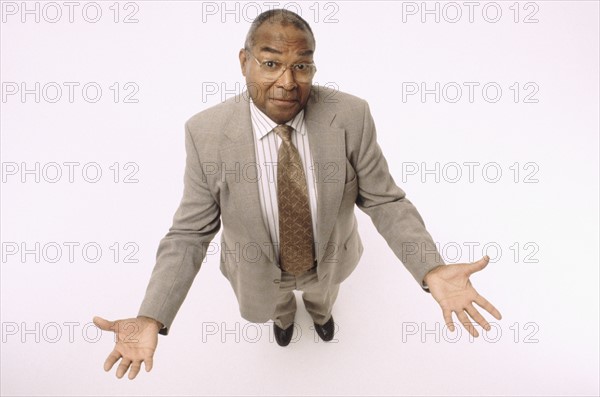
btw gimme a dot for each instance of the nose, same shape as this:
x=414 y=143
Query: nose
x=286 y=80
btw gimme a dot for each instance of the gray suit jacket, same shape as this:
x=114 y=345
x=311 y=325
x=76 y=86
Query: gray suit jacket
x=220 y=185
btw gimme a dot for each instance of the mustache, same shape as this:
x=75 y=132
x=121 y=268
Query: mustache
x=284 y=95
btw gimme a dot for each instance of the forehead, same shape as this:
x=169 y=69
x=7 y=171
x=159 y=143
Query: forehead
x=282 y=37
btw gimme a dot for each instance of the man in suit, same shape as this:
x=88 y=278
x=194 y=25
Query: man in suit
x=295 y=230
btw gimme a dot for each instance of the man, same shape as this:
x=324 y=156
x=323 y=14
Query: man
x=298 y=219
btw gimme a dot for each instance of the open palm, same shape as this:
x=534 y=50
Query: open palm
x=135 y=342
x=451 y=288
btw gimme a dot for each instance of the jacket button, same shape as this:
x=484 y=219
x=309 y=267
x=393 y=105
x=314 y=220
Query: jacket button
x=277 y=281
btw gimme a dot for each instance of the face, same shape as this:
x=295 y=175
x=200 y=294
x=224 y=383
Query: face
x=282 y=99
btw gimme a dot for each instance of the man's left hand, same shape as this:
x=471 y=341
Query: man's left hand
x=451 y=288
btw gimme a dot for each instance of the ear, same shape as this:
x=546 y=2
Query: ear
x=243 y=60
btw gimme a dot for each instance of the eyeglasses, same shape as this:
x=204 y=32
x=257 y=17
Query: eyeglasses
x=273 y=70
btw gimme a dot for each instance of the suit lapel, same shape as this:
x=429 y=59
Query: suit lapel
x=239 y=165
x=327 y=146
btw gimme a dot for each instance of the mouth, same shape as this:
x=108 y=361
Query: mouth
x=284 y=101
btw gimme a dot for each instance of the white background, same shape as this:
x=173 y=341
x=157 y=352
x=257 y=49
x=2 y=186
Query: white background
x=547 y=290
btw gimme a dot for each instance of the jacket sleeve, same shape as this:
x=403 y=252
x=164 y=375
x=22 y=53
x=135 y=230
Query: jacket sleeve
x=394 y=216
x=182 y=250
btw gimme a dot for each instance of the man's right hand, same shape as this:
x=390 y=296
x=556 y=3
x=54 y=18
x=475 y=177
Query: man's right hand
x=136 y=340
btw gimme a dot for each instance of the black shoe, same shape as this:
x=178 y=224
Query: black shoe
x=283 y=336
x=326 y=330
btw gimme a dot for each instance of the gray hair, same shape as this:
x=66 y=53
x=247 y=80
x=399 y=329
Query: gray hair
x=281 y=16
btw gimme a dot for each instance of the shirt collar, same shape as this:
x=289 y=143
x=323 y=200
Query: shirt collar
x=267 y=125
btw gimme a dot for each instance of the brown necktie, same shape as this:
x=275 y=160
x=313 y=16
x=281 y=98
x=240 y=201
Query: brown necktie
x=296 y=253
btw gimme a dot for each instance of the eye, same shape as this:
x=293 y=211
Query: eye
x=301 y=67
x=271 y=64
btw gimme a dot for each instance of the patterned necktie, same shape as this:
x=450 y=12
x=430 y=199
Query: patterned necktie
x=296 y=253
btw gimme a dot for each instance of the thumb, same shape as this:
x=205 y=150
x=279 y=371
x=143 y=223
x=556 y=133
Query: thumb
x=103 y=324
x=479 y=265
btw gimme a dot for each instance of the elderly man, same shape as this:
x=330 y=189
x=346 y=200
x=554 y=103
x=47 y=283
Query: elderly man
x=298 y=217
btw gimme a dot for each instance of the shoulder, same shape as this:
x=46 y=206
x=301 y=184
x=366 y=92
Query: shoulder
x=338 y=108
x=341 y=106
x=335 y=100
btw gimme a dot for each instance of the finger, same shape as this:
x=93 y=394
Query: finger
x=462 y=317
x=448 y=320
x=112 y=358
x=103 y=324
x=123 y=367
x=481 y=301
x=475 y=315
x=479 y=265
x=135 y=369
x=148 y=363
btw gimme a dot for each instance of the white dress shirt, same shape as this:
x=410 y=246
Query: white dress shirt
x=267 y=147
